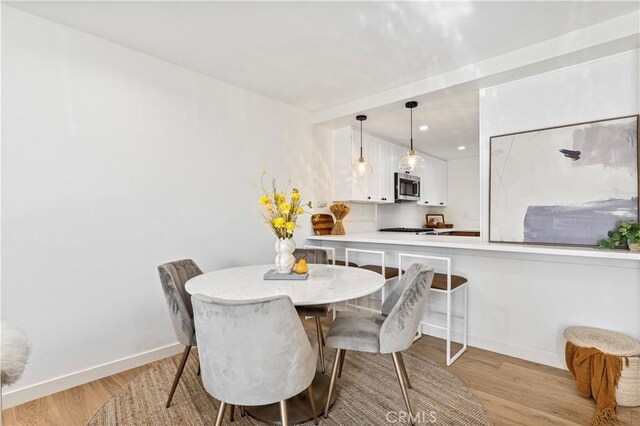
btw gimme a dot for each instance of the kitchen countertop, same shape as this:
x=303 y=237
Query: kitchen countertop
x=471 y=243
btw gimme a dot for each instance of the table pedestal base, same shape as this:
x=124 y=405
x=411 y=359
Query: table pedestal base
x=298 y=407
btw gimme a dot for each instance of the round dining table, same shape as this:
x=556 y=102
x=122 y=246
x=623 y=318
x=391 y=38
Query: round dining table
x=325 y=284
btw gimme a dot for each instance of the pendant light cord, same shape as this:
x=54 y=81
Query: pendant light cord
x=360 y=138
x=411 y=129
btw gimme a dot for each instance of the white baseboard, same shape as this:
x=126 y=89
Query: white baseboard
x=551 y=359
x=15 y=397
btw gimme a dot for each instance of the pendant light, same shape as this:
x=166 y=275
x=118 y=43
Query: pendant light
x=412 y=161
x=361 y=167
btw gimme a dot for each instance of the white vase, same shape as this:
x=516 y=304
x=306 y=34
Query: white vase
x=284 y=258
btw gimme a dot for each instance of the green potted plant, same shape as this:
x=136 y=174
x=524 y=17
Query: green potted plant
x=628 y=232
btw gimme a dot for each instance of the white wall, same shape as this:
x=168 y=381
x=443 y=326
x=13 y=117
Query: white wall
x=114 y=162
x=463 y=205
x=600 y=89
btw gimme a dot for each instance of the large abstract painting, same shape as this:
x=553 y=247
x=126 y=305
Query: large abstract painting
x=565 y=185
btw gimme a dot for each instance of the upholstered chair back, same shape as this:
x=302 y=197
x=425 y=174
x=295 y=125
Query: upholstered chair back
x=316 y=256
x=174 y=276
x=395 y=287
x=253 y=352
x=400 y=326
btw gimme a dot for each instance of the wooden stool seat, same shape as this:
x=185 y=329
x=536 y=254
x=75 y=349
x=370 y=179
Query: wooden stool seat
x=440 y=281
x=389 y=272
x=341 y=263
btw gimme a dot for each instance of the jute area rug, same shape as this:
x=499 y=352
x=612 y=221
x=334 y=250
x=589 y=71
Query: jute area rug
x=368 y=394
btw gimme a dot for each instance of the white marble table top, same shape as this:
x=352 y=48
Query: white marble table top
x=325 y=284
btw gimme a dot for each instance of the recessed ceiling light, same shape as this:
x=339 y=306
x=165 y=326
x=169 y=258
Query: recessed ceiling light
x=462 y=148
x=424 y=127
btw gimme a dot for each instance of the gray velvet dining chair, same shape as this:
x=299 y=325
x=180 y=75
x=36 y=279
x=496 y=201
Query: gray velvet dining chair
x=253 y=352
x=174 y=276
x=377 y=333
x=314 y=256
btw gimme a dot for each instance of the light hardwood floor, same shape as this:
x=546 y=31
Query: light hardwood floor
x=513 y=391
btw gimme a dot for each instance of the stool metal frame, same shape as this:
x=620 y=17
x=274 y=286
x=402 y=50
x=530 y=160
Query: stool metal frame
x=382 y=295
x=449 y=292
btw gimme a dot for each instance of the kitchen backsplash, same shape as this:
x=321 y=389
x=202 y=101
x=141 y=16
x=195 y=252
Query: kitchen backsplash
x=365 y=218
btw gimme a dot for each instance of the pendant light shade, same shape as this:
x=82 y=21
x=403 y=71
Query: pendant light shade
x=412 y=161
x=361 y=167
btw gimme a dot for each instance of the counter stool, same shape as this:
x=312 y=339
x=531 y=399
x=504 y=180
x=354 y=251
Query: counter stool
x=331 y=250
x=389 y=273
x=314 y=256
x=447 y=284
x=617 y=344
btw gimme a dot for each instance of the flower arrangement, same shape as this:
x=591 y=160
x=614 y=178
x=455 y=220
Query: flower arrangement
x=281 y=209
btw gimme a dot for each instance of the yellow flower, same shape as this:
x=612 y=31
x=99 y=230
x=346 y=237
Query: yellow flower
x=264 y=200
x=295 y=196
x=300 y=210
x=285 y=208
x=278 y=222
x=290 y=227
x=280 y=199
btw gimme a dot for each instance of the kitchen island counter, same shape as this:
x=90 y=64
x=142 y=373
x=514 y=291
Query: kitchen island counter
x=472 y=243
x=520 y=297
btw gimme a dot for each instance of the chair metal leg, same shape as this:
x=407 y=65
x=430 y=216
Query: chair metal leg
x=183 y=361
x=403 y=387
x=404 y=370
x=220 y=416
x=232 y=412
x=332 y=384
x=242 y=411
x=312 y=402
x=284 y=415
x=198 y=373
x=342 y=355
x=320 y=342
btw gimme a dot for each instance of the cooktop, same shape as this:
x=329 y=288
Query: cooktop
x=413 y=230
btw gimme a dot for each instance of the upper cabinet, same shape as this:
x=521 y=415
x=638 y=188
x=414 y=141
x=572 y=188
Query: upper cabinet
x=378 y=184
x=375 y=186
x=440 y=181
x=388 y=166
x=359 y=184
x=433 y=182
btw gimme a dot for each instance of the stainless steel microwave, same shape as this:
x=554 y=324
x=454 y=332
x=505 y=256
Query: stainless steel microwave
x=407 y=187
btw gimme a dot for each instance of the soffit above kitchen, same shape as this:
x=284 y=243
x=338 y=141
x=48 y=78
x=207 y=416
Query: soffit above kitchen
x=316 y=55
x=452 y=118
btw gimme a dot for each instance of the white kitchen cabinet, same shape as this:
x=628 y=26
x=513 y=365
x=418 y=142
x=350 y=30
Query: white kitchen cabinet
x=372 y=155
x=440 y=181
x=388 y=166
x=427 y=191
x=346 y=150
x=360 y=185
x=378 y=184
x=433 y=182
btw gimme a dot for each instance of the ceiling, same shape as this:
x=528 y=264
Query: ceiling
x=316 y=55
x=452 y=118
